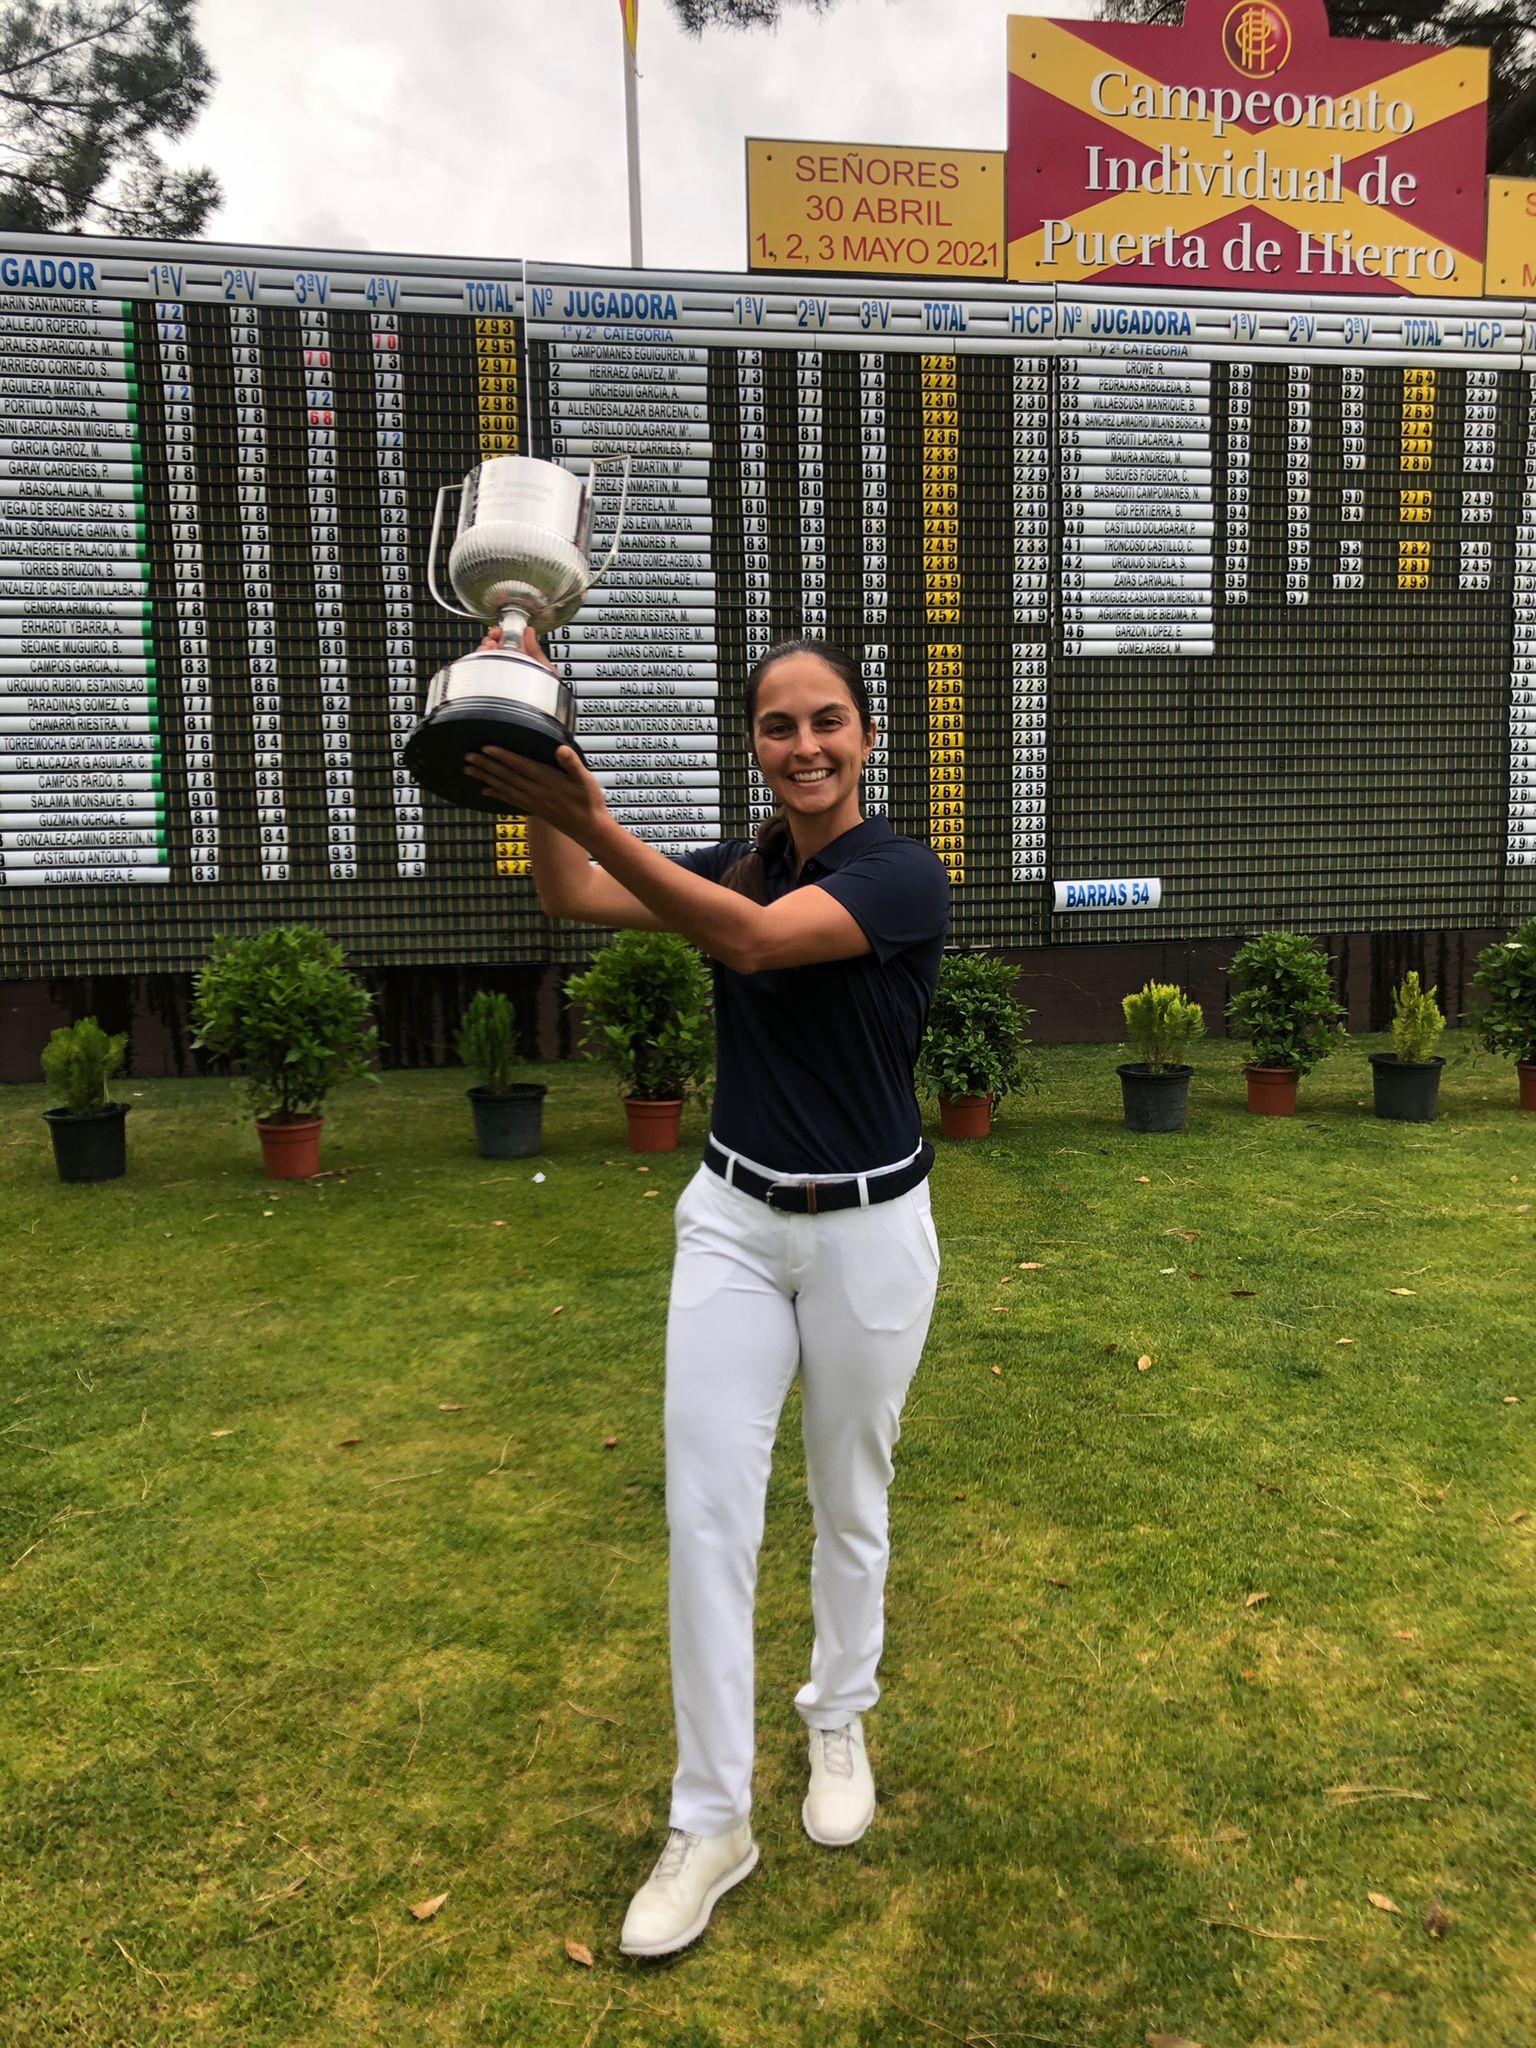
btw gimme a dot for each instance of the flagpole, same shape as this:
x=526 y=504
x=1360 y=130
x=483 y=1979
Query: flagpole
x=632 y=134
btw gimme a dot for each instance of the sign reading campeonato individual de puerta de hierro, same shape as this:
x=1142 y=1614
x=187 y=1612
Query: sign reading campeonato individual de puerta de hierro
x=1247 y=147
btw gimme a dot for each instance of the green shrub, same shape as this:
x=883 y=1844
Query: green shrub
x=78 y=1062
x=646 y=1004
x=1416 y=1020
x=974 y=1043
x=487 y=1041
x=1506 y=974
x=282 y=1008
x=1161 y=1025
x=1285 y=1002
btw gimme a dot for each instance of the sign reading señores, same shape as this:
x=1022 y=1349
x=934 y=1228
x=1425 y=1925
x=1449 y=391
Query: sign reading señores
x=835 y=206
x=1247 y=147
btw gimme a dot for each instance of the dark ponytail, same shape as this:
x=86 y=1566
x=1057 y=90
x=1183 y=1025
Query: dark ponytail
x=749 y=875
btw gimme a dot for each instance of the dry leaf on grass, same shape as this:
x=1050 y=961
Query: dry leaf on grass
x=1255 y=1599
x=1145 y=1179
x=578 y=1950
x=998 y=1370
x=1519 y=1515
x=609 y=1442
x=1031 y=1266
x=1402 y=1290
x=427 y=1907
x=650 y=1194
x=1511 y=1400
x=345 y=1443
x=450 y=1407
x=221 y=1432
x=1383 y=1904
x=1343 y=1340
x=1144 y=1363
x=1171 y=2041
x=1350 y=1794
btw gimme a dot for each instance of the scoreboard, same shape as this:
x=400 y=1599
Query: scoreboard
x=1182 y=613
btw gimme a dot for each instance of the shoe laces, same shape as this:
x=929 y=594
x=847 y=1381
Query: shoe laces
x=837 y=1750
x=675 y=1854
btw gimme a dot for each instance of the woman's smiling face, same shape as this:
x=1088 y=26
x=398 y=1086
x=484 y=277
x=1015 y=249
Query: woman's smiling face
x=808 y=741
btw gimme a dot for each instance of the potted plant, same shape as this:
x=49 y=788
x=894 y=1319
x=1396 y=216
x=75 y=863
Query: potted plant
x=283 y=1009
x=88 y=1138
x=1285 y=1005
x=973 y=1051
x=646 y=999
x=1506 y=974
x=1406 y=1080
x=1160 y=1024
x=508 y=1114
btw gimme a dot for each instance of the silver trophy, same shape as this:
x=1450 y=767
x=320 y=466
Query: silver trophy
x=519 y=558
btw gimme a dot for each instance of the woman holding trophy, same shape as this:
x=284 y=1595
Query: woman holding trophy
x=803 y=1241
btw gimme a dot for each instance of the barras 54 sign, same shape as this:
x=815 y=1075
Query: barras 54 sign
x=1247 y=147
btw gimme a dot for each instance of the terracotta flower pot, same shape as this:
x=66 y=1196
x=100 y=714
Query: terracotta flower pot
x=653 y=1126
x=1272 y=1090
x=290 y=1150
x=1526 y=1069
x=965 y=1116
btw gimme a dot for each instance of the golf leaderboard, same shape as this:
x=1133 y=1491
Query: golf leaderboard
x=1182 y=611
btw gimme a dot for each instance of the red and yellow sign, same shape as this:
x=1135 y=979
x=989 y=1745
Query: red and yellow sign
x=838 y=206
x=1511 y=265
x=1247 y=147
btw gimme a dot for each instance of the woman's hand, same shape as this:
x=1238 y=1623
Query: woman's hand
x=565 y=795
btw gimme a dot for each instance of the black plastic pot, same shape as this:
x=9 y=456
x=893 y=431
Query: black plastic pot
x=92 y=1147
x=1154 y=1101
x=509 y=1126
x=1406 y=1091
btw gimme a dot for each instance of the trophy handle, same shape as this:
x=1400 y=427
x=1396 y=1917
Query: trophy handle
x=437 y=529
x=618 y=526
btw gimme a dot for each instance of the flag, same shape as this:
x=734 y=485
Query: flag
x=630 y=9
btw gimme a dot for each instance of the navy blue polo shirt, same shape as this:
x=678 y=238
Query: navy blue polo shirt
x=813 y=1070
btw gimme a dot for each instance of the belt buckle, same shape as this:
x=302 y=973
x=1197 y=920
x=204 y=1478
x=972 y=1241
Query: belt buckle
x=807 y=1187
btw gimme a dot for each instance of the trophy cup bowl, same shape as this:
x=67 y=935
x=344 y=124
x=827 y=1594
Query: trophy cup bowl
x=519 y=558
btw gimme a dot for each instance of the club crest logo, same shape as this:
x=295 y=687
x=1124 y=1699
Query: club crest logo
x=1256 y=38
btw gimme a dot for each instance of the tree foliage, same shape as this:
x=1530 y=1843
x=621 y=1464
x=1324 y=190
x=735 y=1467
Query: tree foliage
x=1507 y=28
x=281 y=1006
x=1285 y=1001
x=698 y=15
x=974 y=1041
x=88 y=88
x=646 y=1007
x=78 y=1062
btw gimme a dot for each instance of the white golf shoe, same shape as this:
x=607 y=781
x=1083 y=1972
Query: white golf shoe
x=841 y=1802
x=673 y=1906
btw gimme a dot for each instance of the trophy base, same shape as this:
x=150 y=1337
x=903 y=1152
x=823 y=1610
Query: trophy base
x=435 y=751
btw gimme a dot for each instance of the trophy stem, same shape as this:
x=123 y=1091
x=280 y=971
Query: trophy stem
x=512 y=621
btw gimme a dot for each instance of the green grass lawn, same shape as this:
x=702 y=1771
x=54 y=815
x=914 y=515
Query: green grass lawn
x=323 y=1592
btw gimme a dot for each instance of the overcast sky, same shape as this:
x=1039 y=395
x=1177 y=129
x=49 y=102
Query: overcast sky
x=496 y=127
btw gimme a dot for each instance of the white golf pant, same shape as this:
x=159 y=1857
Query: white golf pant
x=755 y=1291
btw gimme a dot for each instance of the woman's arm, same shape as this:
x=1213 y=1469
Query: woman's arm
x=636 y=887
x=568 y=884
